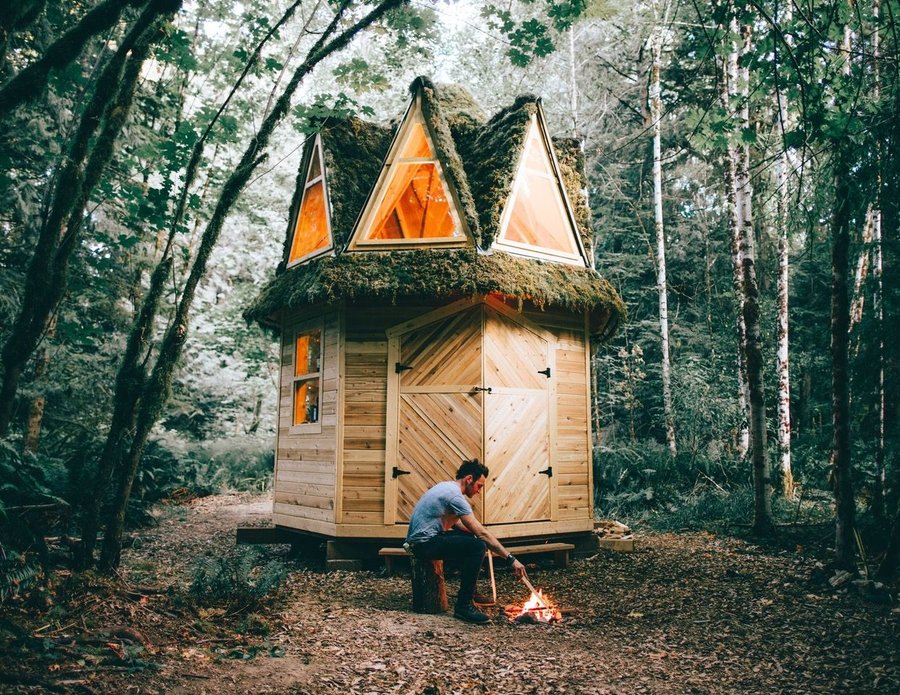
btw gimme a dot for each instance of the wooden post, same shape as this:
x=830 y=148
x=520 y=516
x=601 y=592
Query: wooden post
x=429 y=593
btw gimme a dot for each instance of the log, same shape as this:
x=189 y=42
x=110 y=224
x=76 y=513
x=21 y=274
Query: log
x=429 y=592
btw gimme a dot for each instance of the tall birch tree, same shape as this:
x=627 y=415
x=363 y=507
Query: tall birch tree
x=738 y=37
x=657 y=42
x=782 y=351
x=734 y=193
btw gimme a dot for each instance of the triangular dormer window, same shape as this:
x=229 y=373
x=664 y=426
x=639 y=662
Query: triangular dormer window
x=411 y=203
x=312 y=228
x=536 y=221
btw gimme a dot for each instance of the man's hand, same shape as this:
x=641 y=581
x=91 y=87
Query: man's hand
x=519 y=569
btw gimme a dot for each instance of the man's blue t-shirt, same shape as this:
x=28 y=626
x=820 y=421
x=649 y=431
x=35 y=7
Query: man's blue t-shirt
x=436 y=511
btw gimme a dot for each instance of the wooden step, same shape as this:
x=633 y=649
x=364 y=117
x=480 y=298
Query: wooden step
x=560 y=553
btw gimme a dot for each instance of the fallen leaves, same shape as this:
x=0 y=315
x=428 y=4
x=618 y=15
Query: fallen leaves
x=684 y=613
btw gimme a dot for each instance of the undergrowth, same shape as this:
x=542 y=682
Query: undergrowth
x=238 y=583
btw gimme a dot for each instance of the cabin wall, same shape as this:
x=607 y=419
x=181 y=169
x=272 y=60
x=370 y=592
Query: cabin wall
x=365 y=418
x=306 y=462
x=331 y=480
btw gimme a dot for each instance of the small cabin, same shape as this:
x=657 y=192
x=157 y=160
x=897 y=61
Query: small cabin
x=436 y=301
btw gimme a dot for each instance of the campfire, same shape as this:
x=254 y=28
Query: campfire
x=537 y=609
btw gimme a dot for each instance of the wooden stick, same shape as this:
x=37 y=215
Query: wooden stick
x=493 y=582
x=534 y=591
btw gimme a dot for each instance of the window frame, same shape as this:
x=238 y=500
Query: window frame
x=309 y=183
x=535 y=132
x=306 y=327
x=373 y=205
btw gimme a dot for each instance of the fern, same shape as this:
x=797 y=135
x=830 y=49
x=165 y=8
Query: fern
x=235 y=582
x=17 y=574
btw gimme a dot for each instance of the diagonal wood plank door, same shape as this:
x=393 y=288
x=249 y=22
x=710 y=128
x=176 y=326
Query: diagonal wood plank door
x=439 y=415
x=517 y=420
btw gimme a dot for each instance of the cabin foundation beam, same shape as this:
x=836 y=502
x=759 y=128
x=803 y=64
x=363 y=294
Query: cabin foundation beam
x=276 y=535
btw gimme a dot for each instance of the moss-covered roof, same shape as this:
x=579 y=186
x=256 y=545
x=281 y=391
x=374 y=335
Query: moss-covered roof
x=479 y=158
x=445 y=274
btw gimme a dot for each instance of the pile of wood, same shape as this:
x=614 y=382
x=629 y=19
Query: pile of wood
x=614 y=535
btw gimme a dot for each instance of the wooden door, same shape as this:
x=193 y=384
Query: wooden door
x=517 y=417
x=439 y=413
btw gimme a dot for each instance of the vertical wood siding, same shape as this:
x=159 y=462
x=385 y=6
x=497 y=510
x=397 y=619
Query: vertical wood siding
x=365 y=398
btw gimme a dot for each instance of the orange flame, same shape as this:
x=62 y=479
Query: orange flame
x=538 y=608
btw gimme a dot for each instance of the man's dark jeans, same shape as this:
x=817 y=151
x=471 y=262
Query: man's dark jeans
x=464 y=548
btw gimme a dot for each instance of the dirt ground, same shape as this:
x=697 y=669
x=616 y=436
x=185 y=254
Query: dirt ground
x=684 y=613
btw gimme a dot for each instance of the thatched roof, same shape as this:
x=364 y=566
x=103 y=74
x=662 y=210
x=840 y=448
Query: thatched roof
x=479 y=158
x=444 y=274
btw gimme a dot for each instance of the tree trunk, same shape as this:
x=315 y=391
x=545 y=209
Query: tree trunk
x=878 y=489
x=736 y=96
x=733 y=193
x=782 y=169
x=158 y=384
x=35 y=417
x=783 y=343
x=840 y=373
x=429 y=591
x=880 y=483
x=762 y=484
x=656 y=42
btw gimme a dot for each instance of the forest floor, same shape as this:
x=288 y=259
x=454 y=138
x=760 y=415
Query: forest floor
x=684 y=613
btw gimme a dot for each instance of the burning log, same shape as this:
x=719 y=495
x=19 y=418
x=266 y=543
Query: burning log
x=537 y=609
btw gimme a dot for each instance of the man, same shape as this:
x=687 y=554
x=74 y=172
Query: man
x=443 y=527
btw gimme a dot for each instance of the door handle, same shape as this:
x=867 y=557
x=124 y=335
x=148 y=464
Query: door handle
x=480 y=388
x=397 y=472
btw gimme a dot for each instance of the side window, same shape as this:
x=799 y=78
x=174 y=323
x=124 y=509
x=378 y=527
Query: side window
x=307 y=380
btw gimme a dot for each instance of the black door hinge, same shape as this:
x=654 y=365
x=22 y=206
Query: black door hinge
x=545 y=372
x=396 y=472
x=547 y=471
x=401 y=367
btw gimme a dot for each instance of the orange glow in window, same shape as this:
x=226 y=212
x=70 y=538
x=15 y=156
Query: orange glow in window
x=311 y=232
x=415 y=206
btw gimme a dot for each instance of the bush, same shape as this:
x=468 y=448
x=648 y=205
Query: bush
x=634 y=480
x=243 y=464
x=235 y=582
x=31 y=505
x=705 y=507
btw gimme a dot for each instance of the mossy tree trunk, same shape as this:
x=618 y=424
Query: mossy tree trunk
x=156 y=388
x=46 y=279
x=131 y=378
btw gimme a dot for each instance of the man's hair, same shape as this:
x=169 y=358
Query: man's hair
x=474 y=467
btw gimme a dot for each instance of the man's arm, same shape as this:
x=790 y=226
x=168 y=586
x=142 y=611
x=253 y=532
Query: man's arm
x=473 y=526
